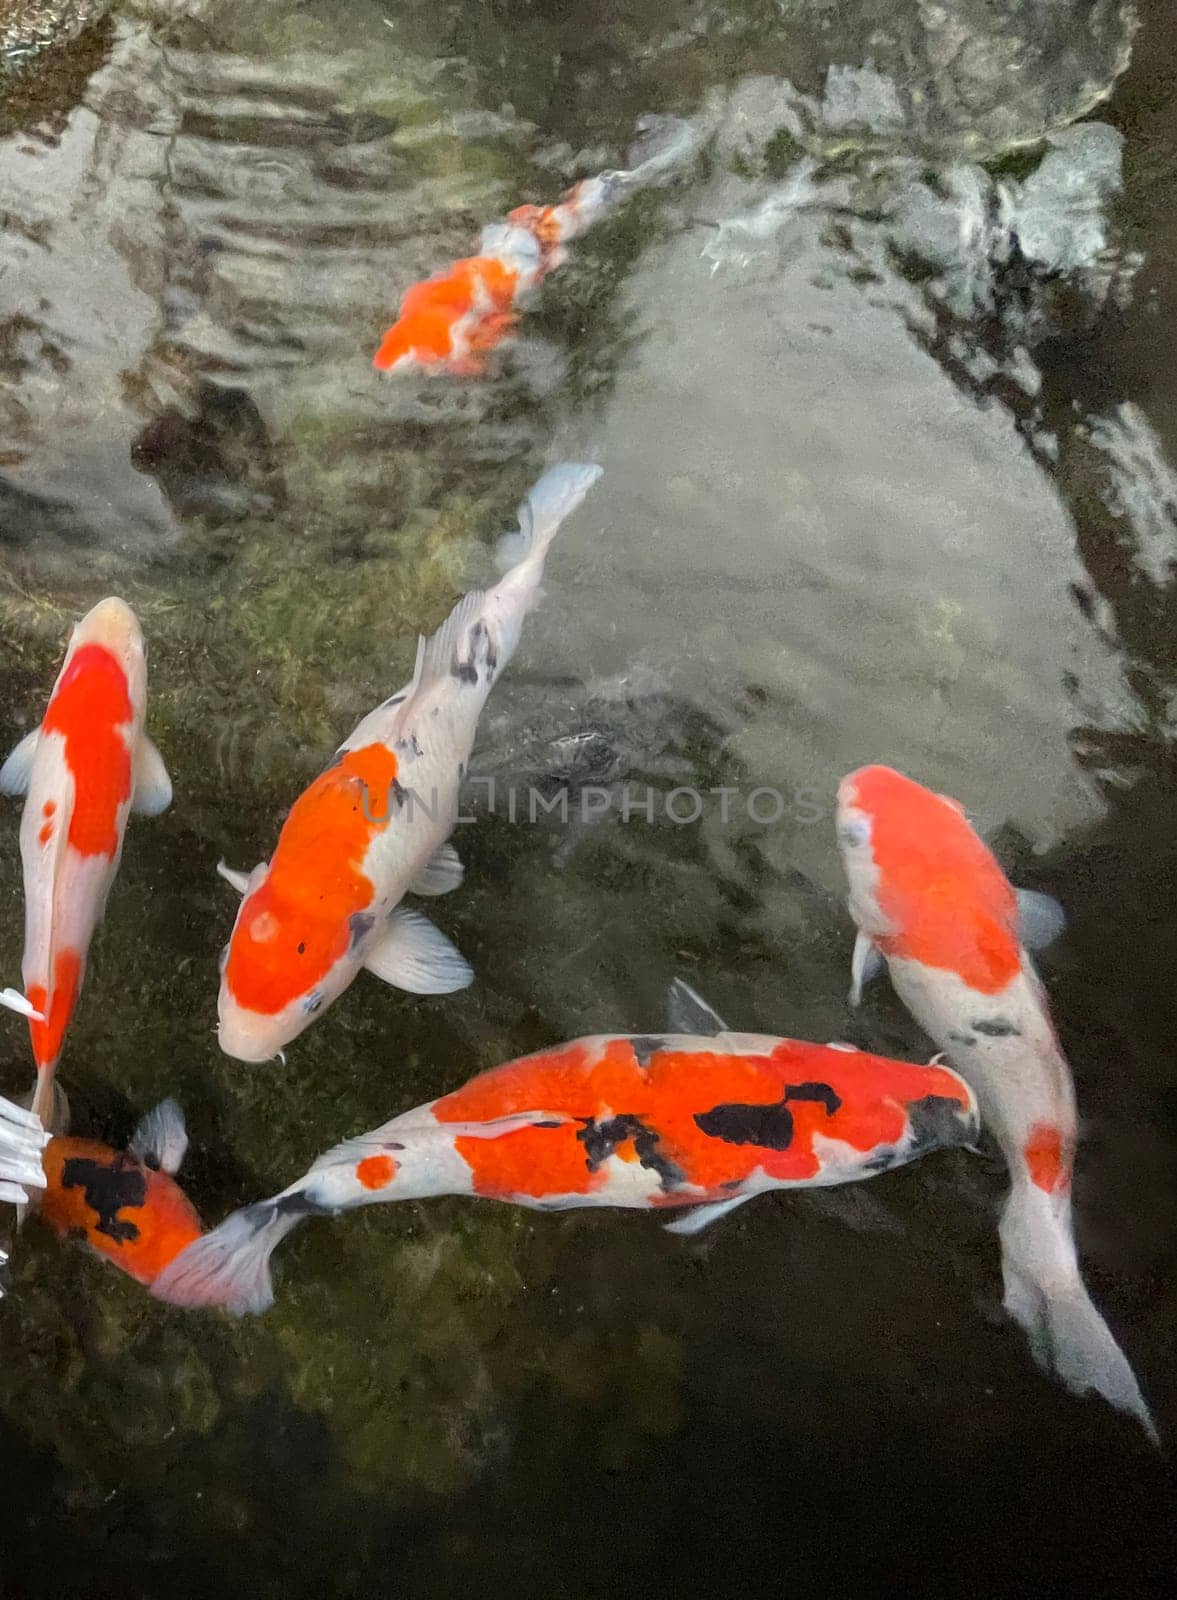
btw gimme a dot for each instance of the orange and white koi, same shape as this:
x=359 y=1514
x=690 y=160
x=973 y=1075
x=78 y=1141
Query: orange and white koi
x=124 y=1204
x=451 y=322
x=695 y=1123
x=931 y=900
x=374 y=825
x=84 y=769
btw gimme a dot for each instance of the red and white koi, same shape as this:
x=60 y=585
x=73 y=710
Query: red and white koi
x=374 y=825
x=451 y=322
x=693 y=1122
x=931 y=900
x=84 y=770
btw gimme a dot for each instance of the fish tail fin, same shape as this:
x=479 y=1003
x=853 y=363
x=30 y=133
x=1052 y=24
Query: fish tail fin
x=1045 y=1294
x=229 y=1267
x=553 y=498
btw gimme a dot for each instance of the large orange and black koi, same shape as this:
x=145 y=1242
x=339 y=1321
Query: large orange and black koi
x=694 y=1123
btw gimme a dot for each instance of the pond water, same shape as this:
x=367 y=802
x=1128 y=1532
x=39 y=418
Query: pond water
x=888 y=418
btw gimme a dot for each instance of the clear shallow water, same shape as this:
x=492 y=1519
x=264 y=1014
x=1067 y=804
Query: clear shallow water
x=833 y=528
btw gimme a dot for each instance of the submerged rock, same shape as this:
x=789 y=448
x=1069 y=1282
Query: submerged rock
x=972 y=76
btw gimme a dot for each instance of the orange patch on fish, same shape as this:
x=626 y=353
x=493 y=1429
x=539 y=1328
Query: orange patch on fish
x=293 y=928
x=939 y=886
x=90 y=707
x=135 y=1216
x=1048 y=1164
x=376 y=1172
x=430 y=311
x=48 y=1037
x=712 y=1118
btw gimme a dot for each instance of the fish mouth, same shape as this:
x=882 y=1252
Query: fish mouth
x=243 y=1044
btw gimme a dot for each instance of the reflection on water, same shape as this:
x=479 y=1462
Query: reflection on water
x=889 y=474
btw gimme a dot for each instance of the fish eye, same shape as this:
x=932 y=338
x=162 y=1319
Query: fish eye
x=312 y=1003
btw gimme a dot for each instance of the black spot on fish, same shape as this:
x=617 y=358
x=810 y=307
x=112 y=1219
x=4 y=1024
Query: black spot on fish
x=399 y=793
x=393 y=700
x=821 y=1092
x=465 y=671
x=644 y=1046
x=302 y=949
x=963 y=1038
x=600 y=1139
x=291 y=1205
x=769 y=1126
x=938 y=1123
x=109 y=1187
x=996 y=1027
x=360 y=924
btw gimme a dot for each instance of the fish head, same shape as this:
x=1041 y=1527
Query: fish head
x=861 y=795
x=923 y=884
x=136 y=1216
x=282 y=968
x=112 y=626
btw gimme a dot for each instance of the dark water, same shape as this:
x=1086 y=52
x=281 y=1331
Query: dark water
x=862 y=501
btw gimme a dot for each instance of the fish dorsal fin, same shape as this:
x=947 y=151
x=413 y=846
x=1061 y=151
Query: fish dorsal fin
x=153 y=787
x=688 y=1012
x=1041 y=920
x=161 y=1139
x=415 y=956
x=15 y=773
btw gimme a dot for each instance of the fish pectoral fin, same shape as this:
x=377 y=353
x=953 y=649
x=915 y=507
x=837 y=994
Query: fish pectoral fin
x=15 y=1001
x=153 y=787
x=1041 y=920
x=14 y=774
x=440 y=874
x=865 y=964
x=688 y=1012
x=415 y=956
x=241 y=881
x=161 y=1139
x=697 y=1218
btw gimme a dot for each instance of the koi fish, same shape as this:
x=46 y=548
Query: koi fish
x=931 y=900
x=125 y=1204
x=86 y=767
x=374 y=825
x=452 y=321
x=698 y=1122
